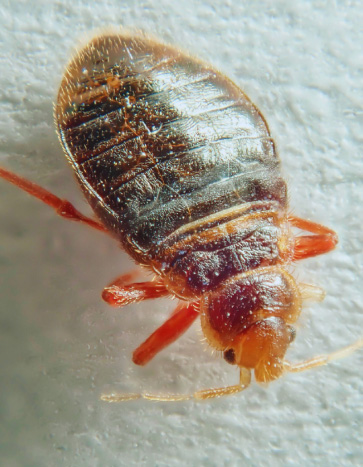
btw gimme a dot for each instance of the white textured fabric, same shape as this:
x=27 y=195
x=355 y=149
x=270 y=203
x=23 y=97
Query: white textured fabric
x=61 y=346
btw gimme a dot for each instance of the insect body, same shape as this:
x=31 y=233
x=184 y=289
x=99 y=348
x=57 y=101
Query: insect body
x=180 y=167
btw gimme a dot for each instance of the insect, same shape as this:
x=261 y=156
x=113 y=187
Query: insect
x=179 y=166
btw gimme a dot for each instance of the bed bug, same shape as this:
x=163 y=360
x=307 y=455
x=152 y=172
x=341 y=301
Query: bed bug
x=179 y=166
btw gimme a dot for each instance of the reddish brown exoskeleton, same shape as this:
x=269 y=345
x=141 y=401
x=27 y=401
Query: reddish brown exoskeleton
x=180 y=167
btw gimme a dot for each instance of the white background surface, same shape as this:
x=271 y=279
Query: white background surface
x=61 y=346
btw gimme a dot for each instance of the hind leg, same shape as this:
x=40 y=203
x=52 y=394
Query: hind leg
x=61 y=206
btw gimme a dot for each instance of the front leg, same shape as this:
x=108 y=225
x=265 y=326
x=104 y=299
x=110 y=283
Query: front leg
x=176 y=325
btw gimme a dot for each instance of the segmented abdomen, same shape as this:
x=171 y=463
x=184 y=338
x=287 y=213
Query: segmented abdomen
x=159 y=140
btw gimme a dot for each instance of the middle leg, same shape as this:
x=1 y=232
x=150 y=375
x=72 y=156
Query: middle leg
x=306 y=246
x=121 y=293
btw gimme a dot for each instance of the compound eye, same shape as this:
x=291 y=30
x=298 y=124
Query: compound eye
x=229 y=356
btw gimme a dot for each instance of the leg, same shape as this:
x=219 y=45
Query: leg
x=306 y=246
x=116 y=295
x=245 y=378
x=311 y=292
x=180 y=320
x=323 y=359
x=62 y=207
